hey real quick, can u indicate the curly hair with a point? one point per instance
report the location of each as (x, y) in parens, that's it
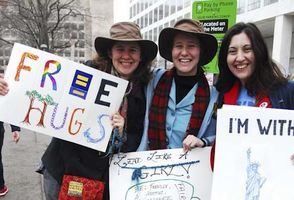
(266, 75)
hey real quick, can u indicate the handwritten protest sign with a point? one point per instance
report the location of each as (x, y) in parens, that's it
(54, 96)
(162, 174)
(253, 149)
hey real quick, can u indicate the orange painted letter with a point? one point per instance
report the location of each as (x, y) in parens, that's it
(22, 66)
(76, 122)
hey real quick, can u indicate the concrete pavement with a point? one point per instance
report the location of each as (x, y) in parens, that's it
(20, 162)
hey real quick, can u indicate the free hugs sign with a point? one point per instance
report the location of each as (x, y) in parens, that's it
(60, 98)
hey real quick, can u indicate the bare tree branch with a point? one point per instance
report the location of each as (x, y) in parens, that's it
(38, 22)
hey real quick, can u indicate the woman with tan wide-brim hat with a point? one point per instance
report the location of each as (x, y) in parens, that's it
(178, 99)
(124, 54)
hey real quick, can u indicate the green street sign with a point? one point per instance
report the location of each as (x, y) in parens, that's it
(217, 16)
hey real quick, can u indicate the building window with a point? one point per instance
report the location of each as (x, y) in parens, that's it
(82, 54)
(150, 18)
(81, 27)
(160, 12)
(180, 5)
(268, 2)
(240, 6)
(6, 34)
(142, 4)
(253, 4)
(67, 53)
(66, 35)
(166, 10)
(60, 53)
(145, 36)
(138, 8)
(155, 15)
(82, 44)
(150, 3)
(74, 26)
(187, 3)
(74, 35)
(187, 15)
(131, 12)
(81, 35)
(160, 28)
(141, 22)
(146, 20)
(172, 22)
(155, 34)
(138, 21)
(134, 9)
(180, 17)
(66, 25)
(173, 6)
(59, 35)
(7, 52)
(150, 35)
(165, 24)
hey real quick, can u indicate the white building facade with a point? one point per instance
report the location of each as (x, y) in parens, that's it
(273, 17)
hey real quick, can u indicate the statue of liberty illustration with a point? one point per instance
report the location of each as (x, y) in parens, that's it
(254, 181)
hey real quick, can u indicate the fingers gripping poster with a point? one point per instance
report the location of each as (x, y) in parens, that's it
(163, 174)
(51, 95)
(253, 151)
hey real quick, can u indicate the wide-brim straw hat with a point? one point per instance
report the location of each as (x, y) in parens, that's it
(208, 43)
(126, 32)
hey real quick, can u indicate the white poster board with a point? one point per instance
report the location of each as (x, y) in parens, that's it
(253, 149)
(54, 96)
(162, 174)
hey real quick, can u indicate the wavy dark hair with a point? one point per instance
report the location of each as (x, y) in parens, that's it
(142, 74)
(266, 75)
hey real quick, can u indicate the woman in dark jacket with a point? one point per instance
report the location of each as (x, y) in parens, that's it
(124, 54)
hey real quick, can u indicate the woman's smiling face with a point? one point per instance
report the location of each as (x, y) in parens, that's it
(126, 57)
(240, 57)
(185, 54)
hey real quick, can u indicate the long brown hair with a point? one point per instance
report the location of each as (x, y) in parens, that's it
(266, 75)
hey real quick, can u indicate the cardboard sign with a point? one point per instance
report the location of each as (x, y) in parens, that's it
(162, 174)
(253, 149)
(54, 96)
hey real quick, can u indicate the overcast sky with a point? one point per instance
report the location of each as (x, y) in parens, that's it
(121, 10)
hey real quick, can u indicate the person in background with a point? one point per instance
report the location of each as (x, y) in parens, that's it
(15, 135)
(126, 55)
(248, 75)
(178, 98)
